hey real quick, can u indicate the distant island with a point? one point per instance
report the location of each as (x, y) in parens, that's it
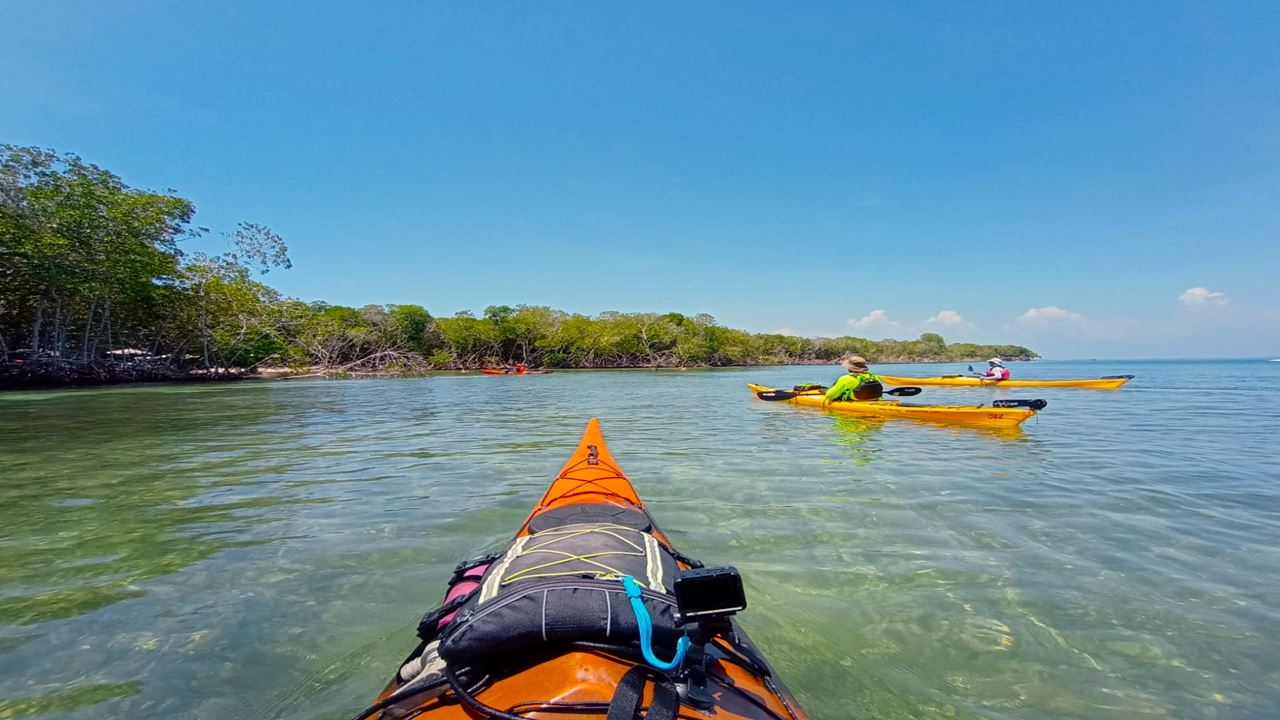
(94, 288)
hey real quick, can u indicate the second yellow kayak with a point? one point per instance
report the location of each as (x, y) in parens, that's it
(977, 415)
(1111, 382)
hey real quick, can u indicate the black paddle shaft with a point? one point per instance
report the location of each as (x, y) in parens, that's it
(1033, 404)
(775, 395)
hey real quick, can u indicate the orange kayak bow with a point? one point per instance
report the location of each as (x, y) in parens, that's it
(723, 678)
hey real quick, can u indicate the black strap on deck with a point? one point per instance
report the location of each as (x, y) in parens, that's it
(626, 698)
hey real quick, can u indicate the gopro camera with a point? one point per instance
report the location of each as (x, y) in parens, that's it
(705, 593)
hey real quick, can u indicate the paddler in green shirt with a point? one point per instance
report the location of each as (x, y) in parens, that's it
(859, 384)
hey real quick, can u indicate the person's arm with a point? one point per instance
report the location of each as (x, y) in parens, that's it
(838, 387)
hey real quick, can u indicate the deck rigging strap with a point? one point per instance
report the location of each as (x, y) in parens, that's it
(625, 704)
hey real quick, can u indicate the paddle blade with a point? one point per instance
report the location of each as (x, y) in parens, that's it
(970, 368)
(775, 395)
(903, 391)
(1033, 404)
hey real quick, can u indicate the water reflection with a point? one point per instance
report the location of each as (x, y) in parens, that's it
(97, 503)
(78, 558)
(93, 505)
(854, 436)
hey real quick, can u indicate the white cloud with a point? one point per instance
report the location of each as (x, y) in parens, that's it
(950, 323)
(946, 318)
(1051, 315)
(1199, 298)
(874, 321)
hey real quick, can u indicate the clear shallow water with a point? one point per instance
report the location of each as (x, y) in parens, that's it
(265, 549)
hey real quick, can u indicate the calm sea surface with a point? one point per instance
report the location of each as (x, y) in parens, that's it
(265, 549)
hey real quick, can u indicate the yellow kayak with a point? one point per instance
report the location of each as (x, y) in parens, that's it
(976, 415)
(1111, 382)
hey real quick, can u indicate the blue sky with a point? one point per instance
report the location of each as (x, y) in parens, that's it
(1059, 175)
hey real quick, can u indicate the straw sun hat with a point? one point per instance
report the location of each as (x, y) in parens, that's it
(856, 363)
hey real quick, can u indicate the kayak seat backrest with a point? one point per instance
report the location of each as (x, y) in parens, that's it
(590, 513)
(562, 585)
(869, 391)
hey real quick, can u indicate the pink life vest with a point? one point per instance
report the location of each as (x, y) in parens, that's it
(998, 373)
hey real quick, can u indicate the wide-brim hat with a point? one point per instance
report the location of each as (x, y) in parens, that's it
(855, 362)
(996, 361)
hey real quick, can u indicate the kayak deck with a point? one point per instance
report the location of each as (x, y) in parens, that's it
(1103, 383)
(591, 475)
(580, 683)
(973, 415)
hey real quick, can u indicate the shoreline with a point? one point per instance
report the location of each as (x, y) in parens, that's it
(21, 377)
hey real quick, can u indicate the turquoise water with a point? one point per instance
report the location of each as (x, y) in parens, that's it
(265, 549)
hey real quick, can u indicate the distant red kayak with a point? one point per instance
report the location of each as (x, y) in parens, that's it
(492, 371)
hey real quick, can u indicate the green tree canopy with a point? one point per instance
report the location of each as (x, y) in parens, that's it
(92, 273)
